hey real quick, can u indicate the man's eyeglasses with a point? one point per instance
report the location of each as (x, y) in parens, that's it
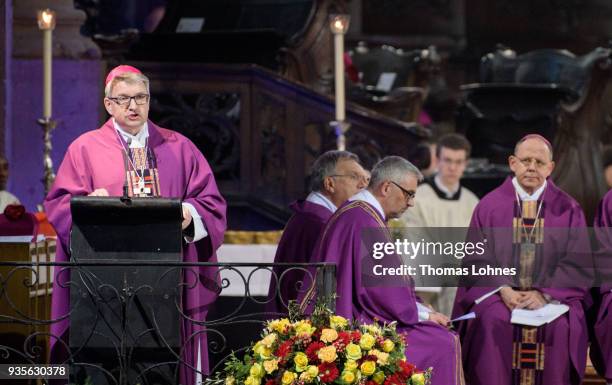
(125, 101)
(355, 177)
(408, 195)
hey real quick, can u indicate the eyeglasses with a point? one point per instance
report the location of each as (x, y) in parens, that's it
(408, 195)
(125, 101)
(355, 177)
(528, 161)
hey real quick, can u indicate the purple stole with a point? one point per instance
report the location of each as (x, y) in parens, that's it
(528, 341)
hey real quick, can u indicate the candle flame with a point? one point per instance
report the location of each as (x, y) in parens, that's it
(46, 19)
(339, 23)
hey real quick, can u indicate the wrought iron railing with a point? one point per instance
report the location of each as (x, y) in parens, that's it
(138, 322)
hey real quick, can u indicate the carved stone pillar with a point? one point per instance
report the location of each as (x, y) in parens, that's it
(67, 39)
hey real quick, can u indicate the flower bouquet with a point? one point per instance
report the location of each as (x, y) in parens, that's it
(324, 349)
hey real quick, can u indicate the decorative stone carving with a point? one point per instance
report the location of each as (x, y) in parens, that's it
(67, 39)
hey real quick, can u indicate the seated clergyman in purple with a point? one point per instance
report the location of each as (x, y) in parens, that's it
(539, 224)
(364, 297)
(601, 345)
(335, 177)
(129, 151)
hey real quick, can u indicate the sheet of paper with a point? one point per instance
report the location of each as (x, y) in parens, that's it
(190, 25)
(543, 315)
(385, 81)
(470, 315)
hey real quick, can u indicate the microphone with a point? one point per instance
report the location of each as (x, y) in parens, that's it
(126, 198)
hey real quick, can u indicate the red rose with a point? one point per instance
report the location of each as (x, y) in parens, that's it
(284, 349)
(270, 382)
(356, 336)
(370, 382)
(328, 373)
(14, 212)
(406, 369)
(393, 380)
(312, 350)
(344, 339)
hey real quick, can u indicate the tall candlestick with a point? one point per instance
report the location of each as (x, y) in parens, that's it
(339, 25)
(339, 76)
(46, 22)
(47, 52)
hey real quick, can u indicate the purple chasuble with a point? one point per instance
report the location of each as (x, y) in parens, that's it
(601, 346)
(341, 243)
(489, 355)
(96, 160)
(299, 238)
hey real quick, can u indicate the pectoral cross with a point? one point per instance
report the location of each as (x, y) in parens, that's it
(141, 189)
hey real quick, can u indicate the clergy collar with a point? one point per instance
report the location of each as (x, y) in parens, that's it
(524, 195)
(321, 200)
(366, 196)
(443, 192)
(134, 141)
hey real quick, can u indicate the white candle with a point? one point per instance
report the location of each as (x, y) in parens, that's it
(47, 52)
(339, 76)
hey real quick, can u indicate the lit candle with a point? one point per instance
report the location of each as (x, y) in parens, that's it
(339, 26)
(46, 22)
(339, 76)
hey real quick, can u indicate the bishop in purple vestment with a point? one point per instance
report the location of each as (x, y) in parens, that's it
(335, 177)
(366, 298)
(542, 230)
(131, 152)
(601, 345)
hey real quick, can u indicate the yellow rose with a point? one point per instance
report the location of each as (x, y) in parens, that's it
(313, 371)
(382, 357)
(263, 351)
(388, 346)
(269, 340)
(304, 377)
(353, 352)
(279, 325)
(338, 322)
(250, 380)
(418, 379)
(270, 366)
(367, 341)
(373, 329)
(348, 377)
(304, 327)
(327, 354)
(378, 377)
(288, 377)
(229, 380)
(367, 368)
(256, 370)
(301, 362)
(329, 335)
(350, 365)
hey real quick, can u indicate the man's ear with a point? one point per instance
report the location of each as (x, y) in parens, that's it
(328, 184)
(552, 167)
(512, 162)
(107, 106)
(384, 188)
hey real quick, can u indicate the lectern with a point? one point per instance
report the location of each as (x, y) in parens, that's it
(127, 315)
